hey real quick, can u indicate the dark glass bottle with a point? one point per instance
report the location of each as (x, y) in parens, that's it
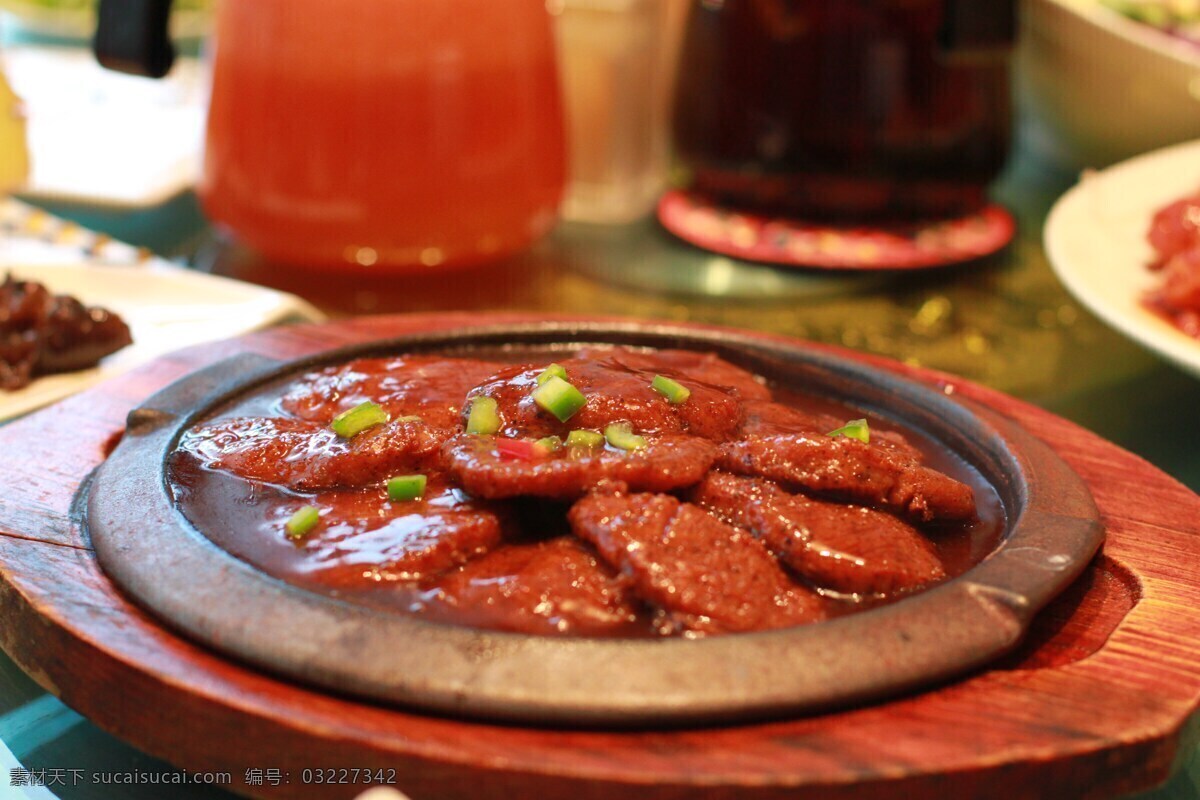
(845, 110)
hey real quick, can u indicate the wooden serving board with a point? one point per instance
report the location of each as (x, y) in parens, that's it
(1100, 701)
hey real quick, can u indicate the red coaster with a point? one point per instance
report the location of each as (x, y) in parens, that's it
(798, 244)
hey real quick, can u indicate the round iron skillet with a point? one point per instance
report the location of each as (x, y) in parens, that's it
(149, 549)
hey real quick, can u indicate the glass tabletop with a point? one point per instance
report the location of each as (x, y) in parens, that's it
(1005, 322)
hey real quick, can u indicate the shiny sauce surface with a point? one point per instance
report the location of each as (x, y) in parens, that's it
(512, 563)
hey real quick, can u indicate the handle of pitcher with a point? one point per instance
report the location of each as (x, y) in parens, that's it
(132, 36)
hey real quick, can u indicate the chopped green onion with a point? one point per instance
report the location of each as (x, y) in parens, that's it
(409, 418)
(855, 429)
(550, 444)
(484, 416)
(552, 371)
(358, 419)
(621, 436)
(582, 438)
(559, 398)
(406, 487)
(302, 521)
(674, 391)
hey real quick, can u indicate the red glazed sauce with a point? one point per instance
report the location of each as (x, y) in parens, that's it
(735, 511)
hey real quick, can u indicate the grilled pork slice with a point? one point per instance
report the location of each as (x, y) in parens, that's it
(849, 469)
(365, 539)
(842, 547)
(557, 586)
(685, 365)
(612, 392)
(486, 469)
(702, 575)
(768, 418)
(429, 387)
(308, 456)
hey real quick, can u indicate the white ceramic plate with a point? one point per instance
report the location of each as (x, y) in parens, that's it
(166, 308)
(102, 138)
(1095, 239)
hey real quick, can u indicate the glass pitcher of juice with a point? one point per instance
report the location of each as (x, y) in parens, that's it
(845, 110)
(382, 134)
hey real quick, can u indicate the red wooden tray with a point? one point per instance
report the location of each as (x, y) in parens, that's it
(1098, 702)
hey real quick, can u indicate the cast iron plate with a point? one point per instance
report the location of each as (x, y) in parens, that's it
(150, 550)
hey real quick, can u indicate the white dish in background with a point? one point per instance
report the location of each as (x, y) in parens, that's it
(166, 308)
(102, 138)
(1095, 238)
(1095, 88)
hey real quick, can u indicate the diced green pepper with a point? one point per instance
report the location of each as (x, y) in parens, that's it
(552, 371)
(582, 438)
(550, 444)
(854, 429)
(302, 521)
(674, 391)
(559, 398)
(364, 415)
(406, 487)
(621, 436)
(484, 417)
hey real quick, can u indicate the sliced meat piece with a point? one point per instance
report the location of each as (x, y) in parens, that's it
(76, 336)
(1175, 229)
(18, 356)
(687, 365)
(615, 393)
(42, 333)
(363, 538)
(666, 463)
(768, 418)
(552, 587)
(1180, 289)
(431, 387)
(309, 456)
(704, 576)
(842, 547)
(849, 469)
(773, 419)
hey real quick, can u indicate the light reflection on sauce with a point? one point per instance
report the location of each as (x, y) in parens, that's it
(382, 554)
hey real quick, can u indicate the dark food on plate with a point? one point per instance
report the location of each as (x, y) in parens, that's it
(1175, 236)
(613, 493)
(43, 333)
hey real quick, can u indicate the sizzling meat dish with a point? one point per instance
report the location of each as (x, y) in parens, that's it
(612, 493)
(42, 333)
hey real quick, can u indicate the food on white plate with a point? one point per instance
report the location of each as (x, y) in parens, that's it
(1175, 236)
(43, 333)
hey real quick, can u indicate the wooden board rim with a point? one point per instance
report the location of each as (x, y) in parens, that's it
(1142, 686)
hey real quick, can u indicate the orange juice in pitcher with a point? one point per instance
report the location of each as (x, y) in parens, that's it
(383, 134)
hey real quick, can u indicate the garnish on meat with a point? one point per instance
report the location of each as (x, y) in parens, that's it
(309, 456)
(615, 493)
